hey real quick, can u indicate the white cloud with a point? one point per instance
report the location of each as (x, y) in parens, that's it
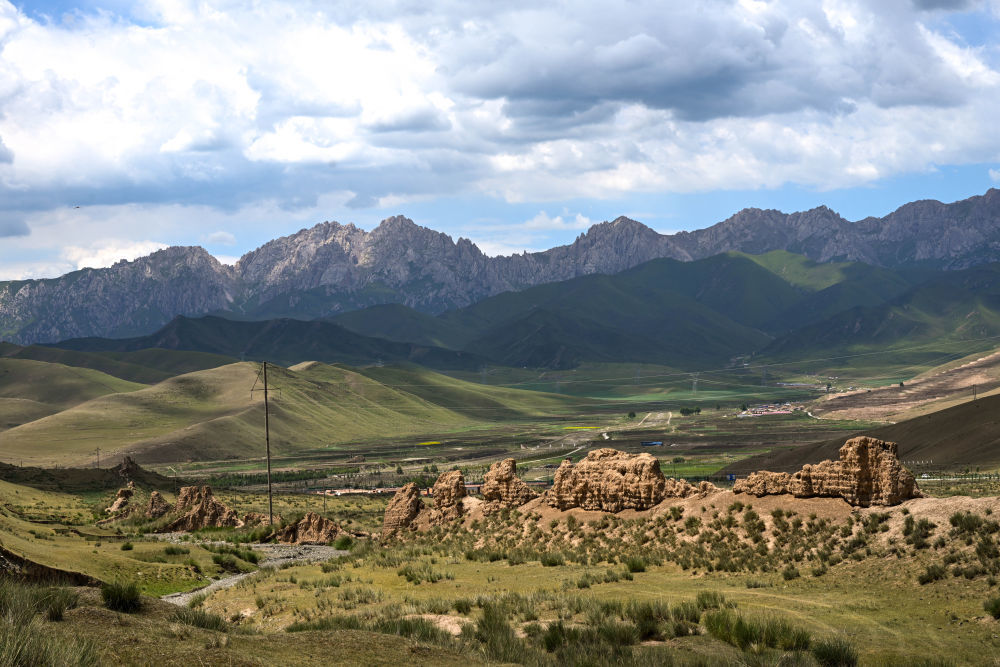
(212, 107)
(228, 260)
(221, 238)
(106, 253)
(543, 221)
(995, 175)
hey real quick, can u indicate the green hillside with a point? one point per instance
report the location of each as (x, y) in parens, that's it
(144, 366)
(280, 341)
(30, 390)
(396, 322)
(212, 415)
(944, 314)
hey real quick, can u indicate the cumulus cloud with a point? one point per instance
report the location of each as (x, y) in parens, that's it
(211, 104)
(105, 253)
(995, 175)
(221, 238)
(12, 224)
(544, 221)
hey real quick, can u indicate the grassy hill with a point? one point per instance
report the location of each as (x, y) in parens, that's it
(212, 414)
(143, 366)
(31, 390)
(282, 341)
(684, 314)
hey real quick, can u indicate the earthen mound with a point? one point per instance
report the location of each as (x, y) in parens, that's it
(310, 529)
(199, 509)
(120, 505)
(448, 491)
(158, 506)
(502, 488)
(611, 481)
(259, 519)
(868, 473)
(402, 510)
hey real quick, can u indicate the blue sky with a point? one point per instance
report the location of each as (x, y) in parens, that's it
(129, 126)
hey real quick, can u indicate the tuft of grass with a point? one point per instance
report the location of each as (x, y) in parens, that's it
(992, 607)
(122, 596)
(743, 632)
(635, 564)
(57, 601)
(200, 619)
(552, 559)
(836, 652)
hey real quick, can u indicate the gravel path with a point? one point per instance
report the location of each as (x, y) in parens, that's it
(272, 555)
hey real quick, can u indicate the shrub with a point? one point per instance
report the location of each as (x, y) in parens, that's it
(992, 607)
(127, 546)
(710, 600)
(635, 564)
(499, 641)
(552, 559)
(197, 600)
(790, 572)
(741, 632)
(200, 619)
(57, 601)
(835, 652)
(463, 606)
(344, 542)
(932, 573)
(122, 596)
(174, 550)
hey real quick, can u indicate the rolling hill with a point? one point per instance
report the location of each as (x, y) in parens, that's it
(212, 414)
(31, 390)
(282, 341)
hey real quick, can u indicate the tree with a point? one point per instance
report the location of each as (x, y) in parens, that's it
(399, 469)
(631, 415)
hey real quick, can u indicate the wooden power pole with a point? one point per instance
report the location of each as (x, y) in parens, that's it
(267, 443)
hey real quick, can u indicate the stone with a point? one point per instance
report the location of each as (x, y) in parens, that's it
(609, 481)
(402, 510)
(448, 491)
(120, 504)
(158, 506)
(199, 509)
(502, 488)
(310, 529)
(868, 473)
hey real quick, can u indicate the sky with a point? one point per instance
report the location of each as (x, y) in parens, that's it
(128, 126)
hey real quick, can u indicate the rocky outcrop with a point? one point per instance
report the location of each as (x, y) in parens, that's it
(336, 265)
(608, 480)
(448, 491)
(120, 505)
(402, 510)
(260, 519)
(310, 529)
(158, 506)
(868, 473)
(198, 509)
(502, 487)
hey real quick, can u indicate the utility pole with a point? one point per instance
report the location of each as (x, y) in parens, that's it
(973, 392)
(98, 458)
(267, 443)
(694, 383)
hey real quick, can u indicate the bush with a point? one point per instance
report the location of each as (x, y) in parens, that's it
(499, 641)
(127, 546)
(344, 542)
(463, 606)
(174, 550)
(835, 652)
(122, 596)
(635, 564)
(932, 573)
(992, 607)
(743, 633)
(57, 601)
(552, 559)
(200, 619)
(790, 572)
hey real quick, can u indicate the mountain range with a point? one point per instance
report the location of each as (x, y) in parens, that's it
(333, 268)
